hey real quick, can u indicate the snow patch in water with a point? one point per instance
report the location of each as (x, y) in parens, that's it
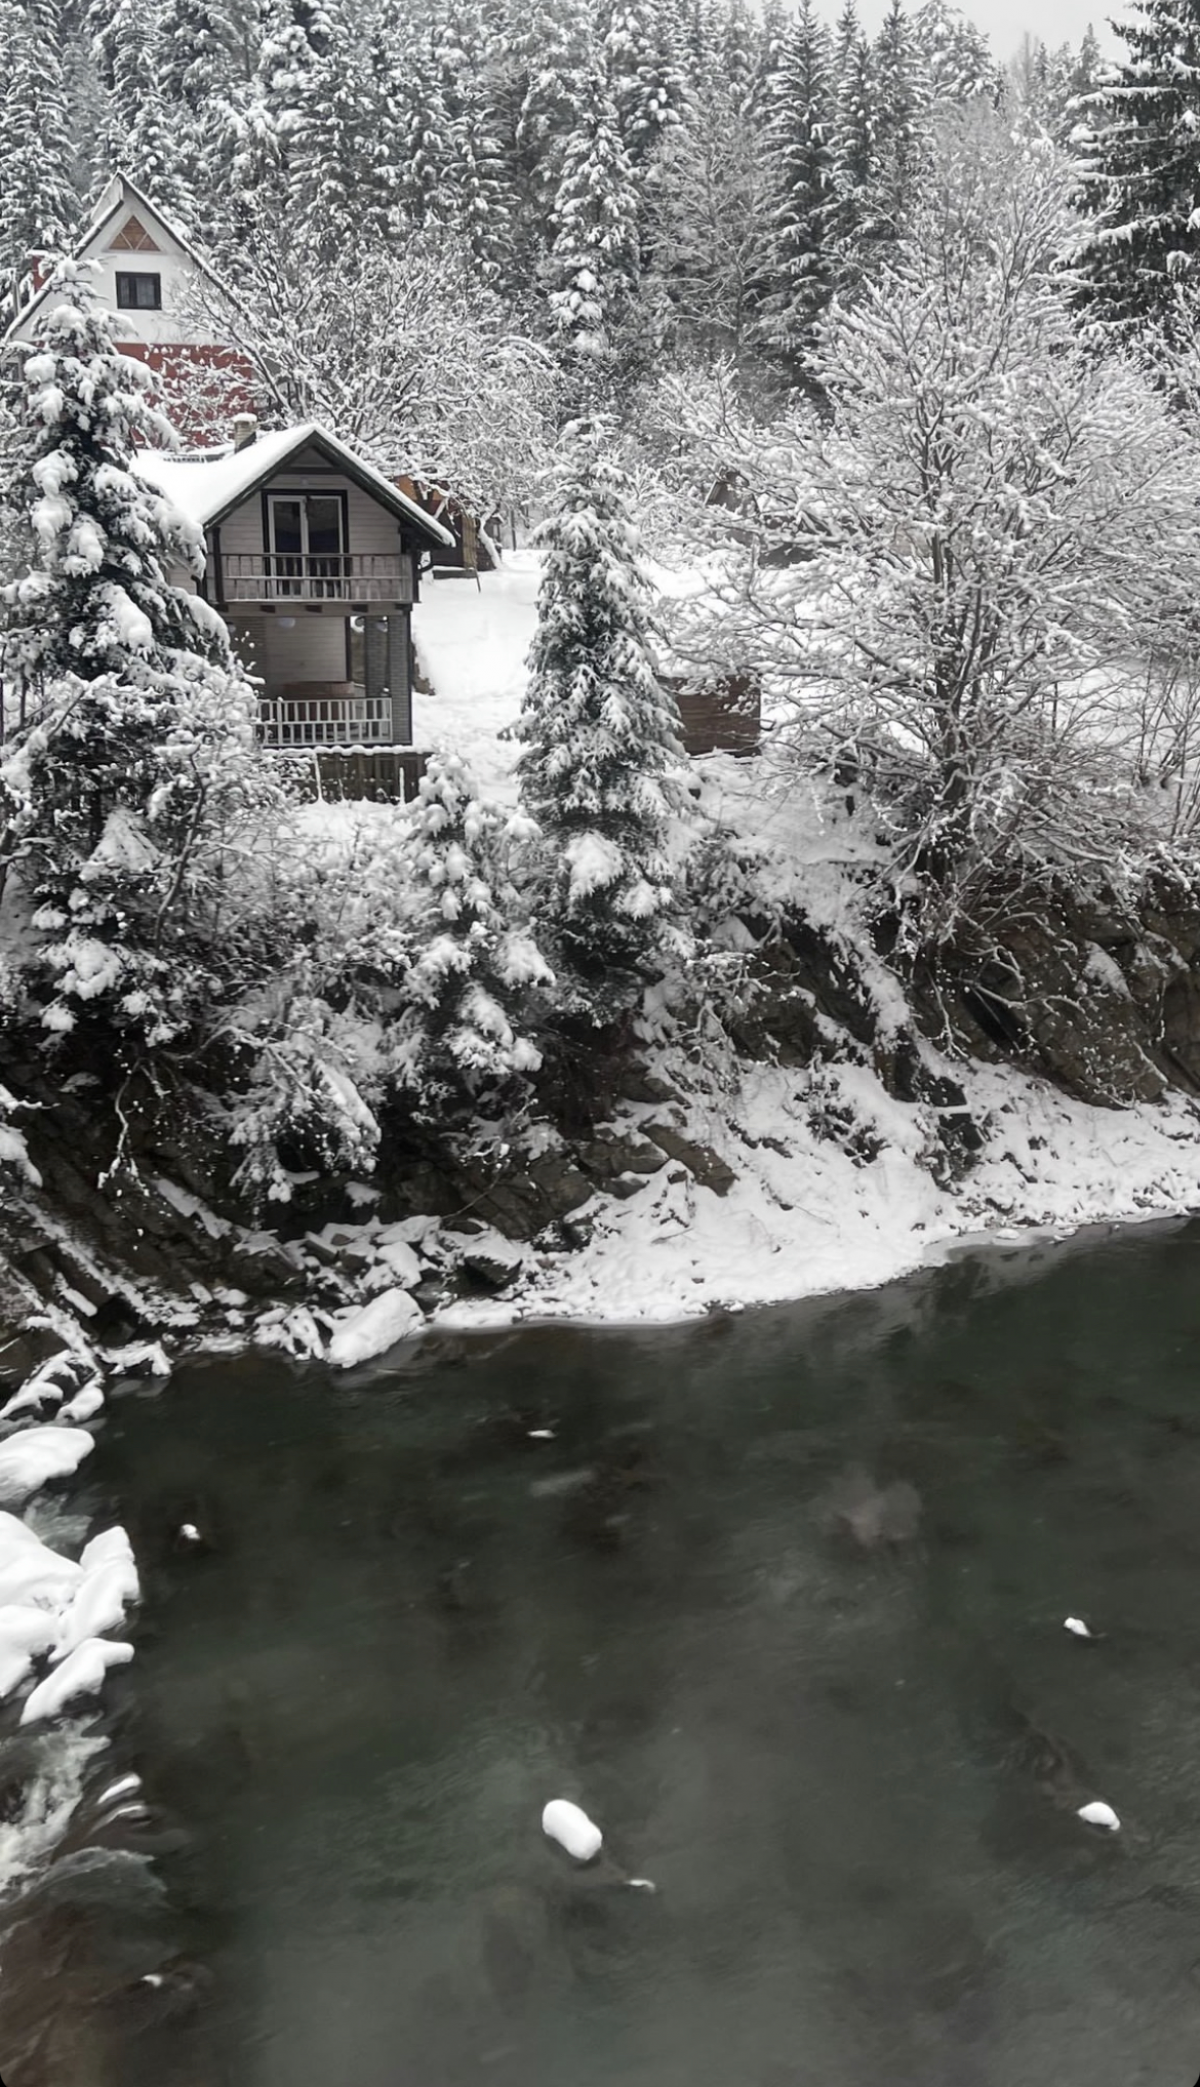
(370, 1330)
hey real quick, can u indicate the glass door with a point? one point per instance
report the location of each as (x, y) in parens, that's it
(285, 564)
(307, 547)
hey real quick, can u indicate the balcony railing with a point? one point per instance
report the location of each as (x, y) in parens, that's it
(325, 714)
(348, 576)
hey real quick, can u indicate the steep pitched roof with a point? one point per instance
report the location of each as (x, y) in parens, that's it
(121, 194)
(206, 489)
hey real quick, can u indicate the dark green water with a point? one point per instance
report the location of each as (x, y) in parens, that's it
(852, 1771)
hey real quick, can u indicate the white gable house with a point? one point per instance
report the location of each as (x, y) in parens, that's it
(167, 301)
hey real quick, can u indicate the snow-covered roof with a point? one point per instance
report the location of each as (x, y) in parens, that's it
(120, 194)
(207, 488)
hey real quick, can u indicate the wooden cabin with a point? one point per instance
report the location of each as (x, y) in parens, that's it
(314, 562)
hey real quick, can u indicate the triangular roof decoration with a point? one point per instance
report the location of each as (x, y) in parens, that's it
(133, 238)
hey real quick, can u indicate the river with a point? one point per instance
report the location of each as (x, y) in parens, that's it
(780, 1600)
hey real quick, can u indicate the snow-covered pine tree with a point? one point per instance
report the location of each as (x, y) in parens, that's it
(601, 736)
(550, 49)
(644, 79)
(141, 138)
(38, 197)
(738, 54)
(900, 107)
(328, 182)
(203, 60)
(469, 998)
(594, 261)
(958, 65)
(425, 131)
(139, 730)
(710, 211)
(772, 37)
(1140, 168)
(852, 146)
(202, 55)
(295, 36)
(1087, 68)
(803, 172)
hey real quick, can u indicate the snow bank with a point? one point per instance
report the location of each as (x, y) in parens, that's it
(29, 1460)
(81, 1674)
(54, 1605)
(108, 1586)
(55, 1610)
(370, 1330)
(806, 1216)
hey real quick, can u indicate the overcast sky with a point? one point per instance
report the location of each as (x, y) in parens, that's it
(1005, 22)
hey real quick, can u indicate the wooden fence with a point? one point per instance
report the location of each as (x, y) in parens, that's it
(723, 717)
(356, 774)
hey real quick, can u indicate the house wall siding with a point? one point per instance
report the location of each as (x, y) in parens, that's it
(180, 318)
(370, 529)
(313, 650)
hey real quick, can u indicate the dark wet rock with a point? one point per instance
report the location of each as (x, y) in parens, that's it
(624, 1186)
(636, 1084)
(704, 1165)
(609, 1155)
(494, 1266)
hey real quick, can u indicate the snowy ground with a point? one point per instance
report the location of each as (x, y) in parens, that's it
(472, 644)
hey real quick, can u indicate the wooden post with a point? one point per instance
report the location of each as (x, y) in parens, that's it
(374, 656)
(399, 685)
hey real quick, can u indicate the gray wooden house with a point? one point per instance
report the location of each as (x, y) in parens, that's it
(314, 562)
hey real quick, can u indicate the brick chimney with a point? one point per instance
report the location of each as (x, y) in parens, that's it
(245, 428)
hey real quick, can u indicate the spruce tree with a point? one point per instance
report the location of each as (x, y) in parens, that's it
(139, 724)
(1140, 168)
(957, 62)
(601, 736)
(468, 996)
(803, 269)
(853, 149)
(38, 198)
(900, 103)
(280, 101)
(737, 54)
(594, 261)
(141, 136)
(644, 80)
(554, 72)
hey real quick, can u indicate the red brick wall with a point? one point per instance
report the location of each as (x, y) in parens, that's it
(200, 389)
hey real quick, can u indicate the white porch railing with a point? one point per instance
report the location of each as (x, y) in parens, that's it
(349, 576)
(325, 715)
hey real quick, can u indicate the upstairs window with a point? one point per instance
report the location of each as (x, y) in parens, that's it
(138, 293)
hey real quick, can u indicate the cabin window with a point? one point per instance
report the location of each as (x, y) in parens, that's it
(137, 292)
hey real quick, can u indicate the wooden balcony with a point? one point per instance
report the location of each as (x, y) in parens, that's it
(353, 578)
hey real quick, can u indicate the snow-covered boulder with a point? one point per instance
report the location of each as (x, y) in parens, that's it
(373, 1328)
(109, 1583)
(36, 1455)
(80, 1674)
